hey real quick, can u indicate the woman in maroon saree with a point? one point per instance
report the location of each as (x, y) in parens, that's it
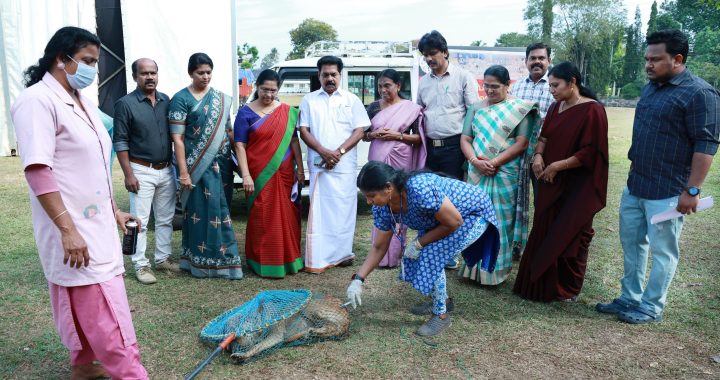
(270, 162)
(396, 138)
(571, 163)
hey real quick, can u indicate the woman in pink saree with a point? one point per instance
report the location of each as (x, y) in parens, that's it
(397, 138)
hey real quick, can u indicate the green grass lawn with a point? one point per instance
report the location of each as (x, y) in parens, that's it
(494, 333)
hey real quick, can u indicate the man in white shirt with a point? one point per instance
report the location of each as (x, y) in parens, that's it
(332, 121)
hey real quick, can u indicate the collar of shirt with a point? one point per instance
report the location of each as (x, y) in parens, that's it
(676, 80)
(57, 88)
(544, 78)
(337, 92)
(141, 96)
(449, 70)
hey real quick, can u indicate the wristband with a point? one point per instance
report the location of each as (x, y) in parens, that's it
(358, 277)
(536, 153)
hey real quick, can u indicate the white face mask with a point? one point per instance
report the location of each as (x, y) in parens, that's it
(83, 77)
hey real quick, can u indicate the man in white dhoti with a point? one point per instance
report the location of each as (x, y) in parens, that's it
(332, 121)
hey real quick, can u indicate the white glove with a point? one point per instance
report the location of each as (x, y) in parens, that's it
(354, 291)
(412, 251)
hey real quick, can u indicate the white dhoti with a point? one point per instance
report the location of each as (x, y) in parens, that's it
(331, 220)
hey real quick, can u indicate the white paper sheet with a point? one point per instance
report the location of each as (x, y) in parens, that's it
(703, 204)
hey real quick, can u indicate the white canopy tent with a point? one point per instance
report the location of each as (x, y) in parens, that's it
(166, 31)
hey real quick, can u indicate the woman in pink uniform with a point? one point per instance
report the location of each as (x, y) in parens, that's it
(66, 156)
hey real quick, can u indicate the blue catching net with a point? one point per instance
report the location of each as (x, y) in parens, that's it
(278, 318)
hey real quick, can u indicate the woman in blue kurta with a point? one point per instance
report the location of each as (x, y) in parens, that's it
(450, 217)
(199, 118)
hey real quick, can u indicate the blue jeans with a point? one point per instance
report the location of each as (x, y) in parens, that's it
(637, 234)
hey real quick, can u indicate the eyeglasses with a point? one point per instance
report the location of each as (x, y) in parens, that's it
(267, 91)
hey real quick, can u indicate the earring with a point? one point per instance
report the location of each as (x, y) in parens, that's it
(61, 66)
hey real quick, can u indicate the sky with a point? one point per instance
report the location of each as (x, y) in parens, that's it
(265, 24)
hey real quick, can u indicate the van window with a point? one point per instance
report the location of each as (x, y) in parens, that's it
(363, 85)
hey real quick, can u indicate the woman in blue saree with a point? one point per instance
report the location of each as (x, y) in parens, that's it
(199, 118)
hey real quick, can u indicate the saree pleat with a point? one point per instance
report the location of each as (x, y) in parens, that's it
(272, 240)
(494, 130)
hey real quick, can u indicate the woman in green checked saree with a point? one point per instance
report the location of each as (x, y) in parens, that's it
(268, 152)
(199, 118)
(496, 136)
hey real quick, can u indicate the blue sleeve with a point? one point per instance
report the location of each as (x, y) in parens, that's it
(426, 193)
(703, 121)
(241, 127)
(381, 219)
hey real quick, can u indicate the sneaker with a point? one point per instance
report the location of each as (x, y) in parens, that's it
(169, 266)
(615, 307)
(453, 264)
(426, 308)
(434, 326)
(637, 316)
(145, 276)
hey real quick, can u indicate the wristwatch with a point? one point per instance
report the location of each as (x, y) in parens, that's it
(342, 151)
(358, 277)
(693, 191)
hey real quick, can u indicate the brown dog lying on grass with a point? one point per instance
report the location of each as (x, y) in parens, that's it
(322, 318)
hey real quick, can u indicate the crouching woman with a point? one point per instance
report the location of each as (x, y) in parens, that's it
(450, 216)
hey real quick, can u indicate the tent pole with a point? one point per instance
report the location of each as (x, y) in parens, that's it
(233, 30)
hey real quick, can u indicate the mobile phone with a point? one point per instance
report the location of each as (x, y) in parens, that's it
(318, 162)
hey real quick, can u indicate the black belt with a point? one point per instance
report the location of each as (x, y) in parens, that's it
(156, 166)
(449, 141)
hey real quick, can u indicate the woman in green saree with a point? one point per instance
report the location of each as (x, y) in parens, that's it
(200, 125)
(495, 140)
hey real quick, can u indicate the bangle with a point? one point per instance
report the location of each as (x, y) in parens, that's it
(358, 277)
(567, 166)
(536, 153)
(59, 215)
(401, 137)
(184, 178)
(247, 175)
(417, 244)
(367, 135)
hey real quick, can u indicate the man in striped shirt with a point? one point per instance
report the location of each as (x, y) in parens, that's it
(675, 136)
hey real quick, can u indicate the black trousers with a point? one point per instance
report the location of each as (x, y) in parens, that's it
(448, 160)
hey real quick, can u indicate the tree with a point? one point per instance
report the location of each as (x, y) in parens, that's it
(705, 59)
(513, 40)
(652, 21)
(308, 32)
(585, 32)
(694, 15)
(478, 43)
(270, 59)
(247, 55)
(540, 19)
(634, 50)
(547, 21)
(666, 21)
